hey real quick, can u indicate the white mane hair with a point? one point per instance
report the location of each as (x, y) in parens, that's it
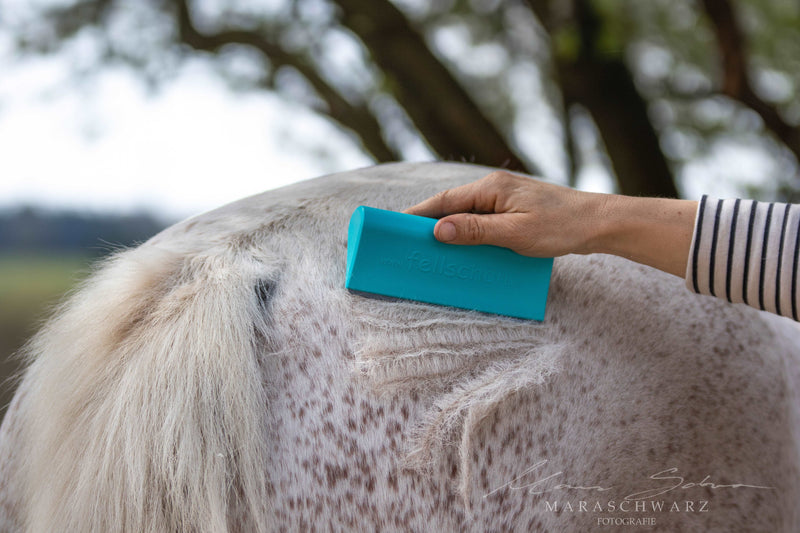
(220, 378)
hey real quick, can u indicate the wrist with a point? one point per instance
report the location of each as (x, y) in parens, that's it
(652, 231)
(603, 223)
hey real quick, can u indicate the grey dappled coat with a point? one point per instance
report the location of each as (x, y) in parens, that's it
(219, 377)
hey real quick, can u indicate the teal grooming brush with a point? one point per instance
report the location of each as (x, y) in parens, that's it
(395, 254)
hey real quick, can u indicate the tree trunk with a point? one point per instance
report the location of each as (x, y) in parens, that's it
(605, 87)
(440, 108)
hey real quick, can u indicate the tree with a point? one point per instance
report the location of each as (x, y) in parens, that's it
(663, 81)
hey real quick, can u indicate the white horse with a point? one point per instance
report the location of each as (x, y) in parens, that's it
(220, 378)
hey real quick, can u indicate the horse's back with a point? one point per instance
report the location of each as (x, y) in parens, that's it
(220, 376)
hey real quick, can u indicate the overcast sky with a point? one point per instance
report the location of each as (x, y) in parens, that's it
(106, 144)
(196, 144)
(192, 146)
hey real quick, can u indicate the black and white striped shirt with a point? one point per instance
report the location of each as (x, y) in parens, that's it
(747, 252)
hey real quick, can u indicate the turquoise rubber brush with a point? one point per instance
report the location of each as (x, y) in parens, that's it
(396, 254)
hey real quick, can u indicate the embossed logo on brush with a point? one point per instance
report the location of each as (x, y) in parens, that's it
(440, 265)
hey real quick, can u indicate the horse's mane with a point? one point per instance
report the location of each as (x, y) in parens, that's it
(145, 386)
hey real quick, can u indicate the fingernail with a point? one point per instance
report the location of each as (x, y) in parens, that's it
(447, 232)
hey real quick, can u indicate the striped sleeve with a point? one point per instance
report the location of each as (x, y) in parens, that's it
(747, 252)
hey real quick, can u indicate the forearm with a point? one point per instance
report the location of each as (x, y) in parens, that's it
(742, 250)
(651, 231)
(747, 252)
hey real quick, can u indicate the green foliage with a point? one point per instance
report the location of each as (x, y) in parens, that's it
(488, 46)
(567, 43)
(30, 286)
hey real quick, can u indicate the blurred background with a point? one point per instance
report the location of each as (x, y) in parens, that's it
(119, 117)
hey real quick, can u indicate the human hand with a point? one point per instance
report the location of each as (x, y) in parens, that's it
(540, 219)
(531, 217)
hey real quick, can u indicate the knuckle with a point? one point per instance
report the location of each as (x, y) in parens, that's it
(442, 197)
(494, 177)
(499, 177)
(475, 230)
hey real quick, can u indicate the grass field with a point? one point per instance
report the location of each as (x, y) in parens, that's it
(30, 285)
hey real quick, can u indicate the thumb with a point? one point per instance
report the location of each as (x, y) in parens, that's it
(467, 228)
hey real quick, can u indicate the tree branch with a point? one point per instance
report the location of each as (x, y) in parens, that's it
(736, 80)
(357, 118)
(605, 87)
(440, 108)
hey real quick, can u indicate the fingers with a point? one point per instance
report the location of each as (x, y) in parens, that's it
(478, 197)
(460, 199)
(467, 228)
(486, 211)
